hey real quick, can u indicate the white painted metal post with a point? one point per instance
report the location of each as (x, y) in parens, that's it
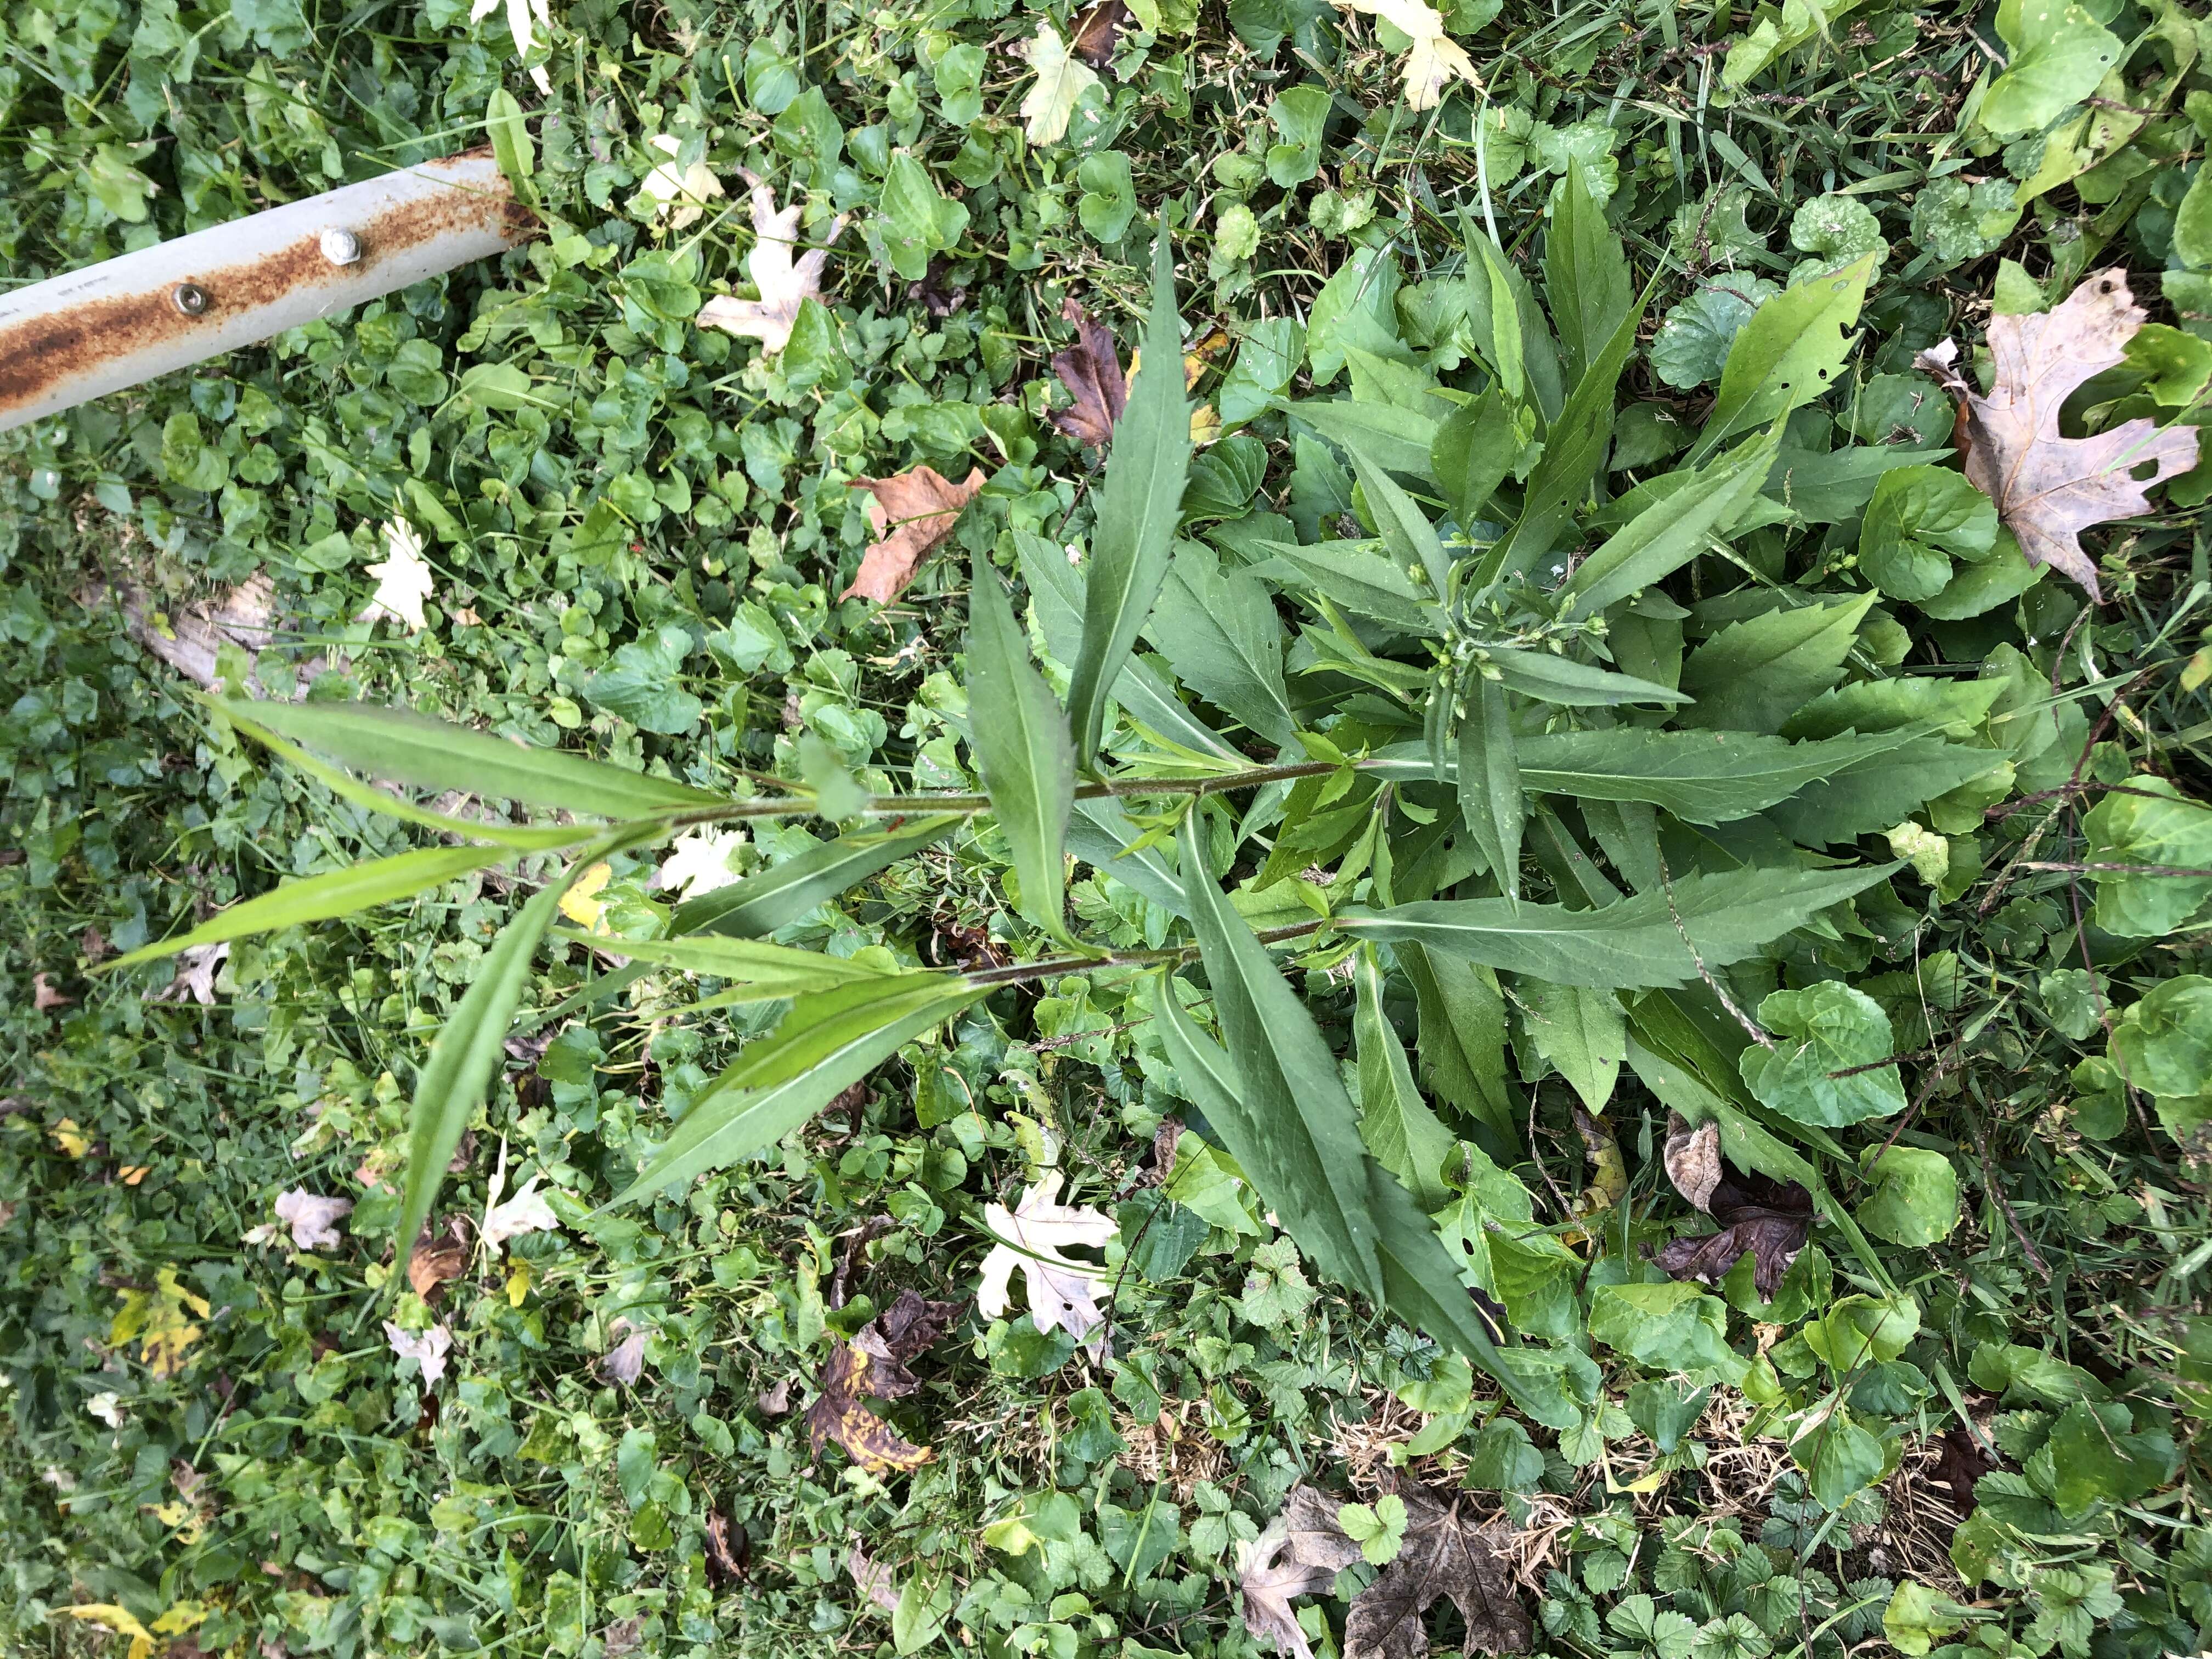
(79, 336)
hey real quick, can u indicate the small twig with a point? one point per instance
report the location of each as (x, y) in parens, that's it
(1990, 1181)
(2066, 868)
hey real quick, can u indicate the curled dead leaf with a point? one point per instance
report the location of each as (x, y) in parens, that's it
(1098, 32)
(438, 1257)
(1693, 1158)
(729, 1550)
(44, 996)
(2048, 488)
(1767, 1218)
(910, 512)
(1268, 1574)
(872, 1579)
(624, 1362)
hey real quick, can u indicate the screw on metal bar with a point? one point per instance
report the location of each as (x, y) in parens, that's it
(340, 247)
(190, 297)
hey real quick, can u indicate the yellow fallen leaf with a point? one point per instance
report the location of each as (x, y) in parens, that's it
(517, 1284)
(183, 1616)
(71, 1140)
(1434, 58)
(132, 1174)
(1205, 424)
(579, 904)
(157, 1321)
(119, 1620)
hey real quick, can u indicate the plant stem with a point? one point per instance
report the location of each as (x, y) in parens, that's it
(915, 806)
(1021, 973)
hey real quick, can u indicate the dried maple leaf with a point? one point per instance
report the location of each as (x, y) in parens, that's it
(1099, 32)
(197, 966)
(403, 580)
(1033, 1236)
(784, 283)
(2049, 488)
(1090, 370)
(872, 1365)
(1434, 58)
(1446, 1552)
(1767, 1218)
(910, 514)
(1268, 1574)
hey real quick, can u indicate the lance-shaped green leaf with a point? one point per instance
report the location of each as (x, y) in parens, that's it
(1218, 628)
(464, 1057)
(767, 973)
(1585, 270)
(1407, 1138)
(1357, 577)
(1634, 943)
(824, 1046)
(1573, 685)
(1402, 439)
(1789, 353)
(1461, 1039)
(1475, 450)
(1405, 529)
(1754, 674)
(1023, 747)
(1701, 777)
(1057, 589)
(346, 787)
(427, 754)
(318, 898)
(771, 898)
(1138, 507)
(1416, 1277)
(1665, 537)
(1310, 1160)
(1582, 1032)
(1102, 834)
(1490, 800)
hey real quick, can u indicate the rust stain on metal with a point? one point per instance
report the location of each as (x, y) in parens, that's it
(46, 352)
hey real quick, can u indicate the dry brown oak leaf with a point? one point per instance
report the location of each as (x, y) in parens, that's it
(783, 282)
(872, 1365)
(1090, 370)
(2049, 488)
(910, 512)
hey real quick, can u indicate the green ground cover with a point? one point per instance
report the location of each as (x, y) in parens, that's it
(1716, 1165)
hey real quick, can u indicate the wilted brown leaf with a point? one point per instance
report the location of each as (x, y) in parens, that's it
(624, 1362)
(1269, 1574)
(438, 1256)
(775, 1399)
(1768, 1218)
(784, 283)
(1090, 370)
(872, 1365)
(1446, 1552)
(727, 1558)
(910, 514)
(872, 1579)
(1960, 1461)
(1097, 33)
(1693, 1158)
(44, 996)
(2049, 488)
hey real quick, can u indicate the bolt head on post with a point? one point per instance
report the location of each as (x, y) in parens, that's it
(190, 297)
(340, 247)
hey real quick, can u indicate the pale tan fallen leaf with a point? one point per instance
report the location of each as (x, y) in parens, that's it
(527, 1212)
(872, 1579)
(312, 1218)
(2048, 489)
(1693, 1158)
(1268, 1574)
(429, 1350)
(44, 996)
(1434, 58)
(624, 1362)
(521, 15)
(403, 579)
(1062, 78)
(677, 195)
(1033, 1238)
(783, 282)
(196, 967)
(911, 513)
(438, 1257)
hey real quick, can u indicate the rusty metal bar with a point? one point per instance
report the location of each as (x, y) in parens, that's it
(73, 338)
